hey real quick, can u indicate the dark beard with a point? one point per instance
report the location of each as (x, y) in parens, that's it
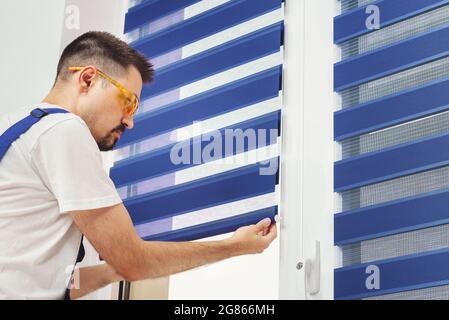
(105, 144)
(108, 142)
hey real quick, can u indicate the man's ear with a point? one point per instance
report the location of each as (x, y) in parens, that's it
(86, 77)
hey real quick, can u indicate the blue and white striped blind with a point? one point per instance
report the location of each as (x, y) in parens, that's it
(392, 178)
(218, 71)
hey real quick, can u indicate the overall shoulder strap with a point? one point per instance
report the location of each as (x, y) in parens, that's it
(14, 132)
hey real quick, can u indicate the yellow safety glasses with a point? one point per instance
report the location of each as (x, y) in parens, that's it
(129, 100)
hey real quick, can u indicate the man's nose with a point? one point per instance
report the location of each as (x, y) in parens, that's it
(128, 122)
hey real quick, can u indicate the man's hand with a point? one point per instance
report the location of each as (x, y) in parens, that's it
(111, 232)
(255, 238)
(246, 240)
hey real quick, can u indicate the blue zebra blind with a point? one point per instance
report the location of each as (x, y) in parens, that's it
(203, 156)
(392, 177)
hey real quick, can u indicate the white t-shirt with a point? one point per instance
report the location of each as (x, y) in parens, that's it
(54, 168)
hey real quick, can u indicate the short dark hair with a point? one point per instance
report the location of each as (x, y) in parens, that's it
(104, 51)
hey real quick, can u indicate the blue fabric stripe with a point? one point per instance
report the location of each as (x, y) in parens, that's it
(394, 217)
(210, 229)
(236, 95)
(405, 159)
(392, 110)
(227, 187)
(208, 23)
(392, 59)
(396, 275)
(227, 56)
(158, 162)
(152, 10)
(353, 24)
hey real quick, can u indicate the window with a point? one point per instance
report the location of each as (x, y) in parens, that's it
(202, 159)
(392, 126)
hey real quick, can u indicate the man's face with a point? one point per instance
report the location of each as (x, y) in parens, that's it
(101, 107)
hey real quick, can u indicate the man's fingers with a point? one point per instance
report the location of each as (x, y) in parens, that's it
(263, 224)
(272, 233)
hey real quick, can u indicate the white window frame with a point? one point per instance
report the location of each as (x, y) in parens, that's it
(307, 197)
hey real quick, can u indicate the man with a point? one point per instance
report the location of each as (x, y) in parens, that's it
(53, 187)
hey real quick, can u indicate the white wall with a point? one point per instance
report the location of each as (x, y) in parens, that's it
(94, 15)
(34, 33)
(31, 35)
